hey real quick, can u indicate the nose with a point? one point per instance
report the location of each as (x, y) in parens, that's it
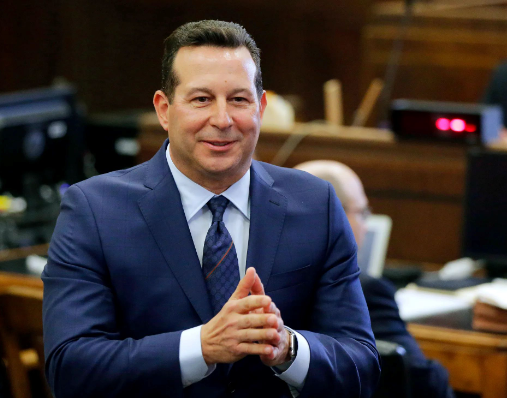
(220, 117)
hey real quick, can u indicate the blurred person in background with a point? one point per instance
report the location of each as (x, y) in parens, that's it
(428, 378)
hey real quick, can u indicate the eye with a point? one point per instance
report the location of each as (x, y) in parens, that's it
(201, 100)
(240, 100)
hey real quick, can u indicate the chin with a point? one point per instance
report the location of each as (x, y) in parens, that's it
(221, 164)
(222, 170)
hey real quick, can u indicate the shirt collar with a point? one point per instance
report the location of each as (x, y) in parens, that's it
(194, 197)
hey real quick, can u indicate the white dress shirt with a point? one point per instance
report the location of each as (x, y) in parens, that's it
(237, 221)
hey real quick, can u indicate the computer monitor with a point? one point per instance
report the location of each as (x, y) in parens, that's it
(40, 140)
(485, 209)
(372, 254)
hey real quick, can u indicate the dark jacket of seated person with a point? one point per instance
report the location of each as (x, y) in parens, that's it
(428, 379)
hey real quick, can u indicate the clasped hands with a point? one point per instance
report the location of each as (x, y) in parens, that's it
(248, 324)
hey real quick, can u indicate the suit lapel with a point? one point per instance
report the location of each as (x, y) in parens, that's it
(163, 212)
(267, 214)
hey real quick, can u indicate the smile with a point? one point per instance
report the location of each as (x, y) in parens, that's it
(219, 145)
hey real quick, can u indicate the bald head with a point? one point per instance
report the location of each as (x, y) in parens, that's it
(348, 188)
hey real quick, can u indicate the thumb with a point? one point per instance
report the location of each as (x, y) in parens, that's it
(245, 284)
(257, 287)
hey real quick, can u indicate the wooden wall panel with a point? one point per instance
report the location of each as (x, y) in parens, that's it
(448, 54)
(30, 40)
(111, 49)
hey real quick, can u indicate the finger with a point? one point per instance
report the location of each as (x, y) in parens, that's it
(268, 357)
(244, 285)
(257, 287)
(267, 336)
(276, 311)
(253, 320)
(272, 309)
(255, 349)
(247, 304)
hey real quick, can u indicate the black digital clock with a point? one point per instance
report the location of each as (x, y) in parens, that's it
(445, 121)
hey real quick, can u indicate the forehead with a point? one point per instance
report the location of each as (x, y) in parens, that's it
(202, 64)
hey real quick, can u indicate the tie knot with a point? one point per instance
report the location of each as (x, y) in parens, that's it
(217, 206)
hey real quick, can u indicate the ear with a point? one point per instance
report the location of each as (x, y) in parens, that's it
(161, 104)
(263, 103)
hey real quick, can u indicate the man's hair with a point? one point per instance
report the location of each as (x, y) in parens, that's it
(206, 33)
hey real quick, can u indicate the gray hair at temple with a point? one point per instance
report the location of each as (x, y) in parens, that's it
(206, 33)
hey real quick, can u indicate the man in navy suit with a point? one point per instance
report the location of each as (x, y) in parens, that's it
(130, 309)
(427, 378)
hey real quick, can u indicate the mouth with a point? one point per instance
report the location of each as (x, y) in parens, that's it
(219, 146)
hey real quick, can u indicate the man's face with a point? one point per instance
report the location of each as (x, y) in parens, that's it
(356, 209)
(214, 119)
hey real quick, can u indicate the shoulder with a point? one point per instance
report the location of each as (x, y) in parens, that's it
(112, 184)
(289, 180)
(304, 193)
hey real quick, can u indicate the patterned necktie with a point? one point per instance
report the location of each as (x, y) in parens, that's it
(219, 260)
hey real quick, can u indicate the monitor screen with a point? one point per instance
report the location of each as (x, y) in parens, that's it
(40, 139)
(485, 210)
(372, 254)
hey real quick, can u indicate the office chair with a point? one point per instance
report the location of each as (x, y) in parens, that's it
(20, 328)
(394, 378)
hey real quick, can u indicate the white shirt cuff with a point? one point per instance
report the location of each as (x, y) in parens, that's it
(192, 365)
(295, 375)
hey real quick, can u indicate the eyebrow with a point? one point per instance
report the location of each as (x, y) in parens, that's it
(200, 89)
(241, 90)
(210, 92)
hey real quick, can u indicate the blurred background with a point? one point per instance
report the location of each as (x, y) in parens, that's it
(77, 80)
(109, 53)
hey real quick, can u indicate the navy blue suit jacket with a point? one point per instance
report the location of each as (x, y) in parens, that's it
(123, 280)
(427, 378)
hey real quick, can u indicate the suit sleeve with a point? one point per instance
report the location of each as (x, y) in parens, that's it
(428, 378)
(343, 359)
(81, 332)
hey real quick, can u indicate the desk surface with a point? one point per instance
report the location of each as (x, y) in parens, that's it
(13, 270)
(476, 361)
(457, 320)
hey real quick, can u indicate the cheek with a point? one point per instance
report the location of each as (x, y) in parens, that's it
(246, 120)
(186, 123)
(361, 232)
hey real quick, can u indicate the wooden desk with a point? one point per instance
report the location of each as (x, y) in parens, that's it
(476, 361)
(12, 269)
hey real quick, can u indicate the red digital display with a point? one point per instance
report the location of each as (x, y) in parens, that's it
(456, 125)
(442, 124)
